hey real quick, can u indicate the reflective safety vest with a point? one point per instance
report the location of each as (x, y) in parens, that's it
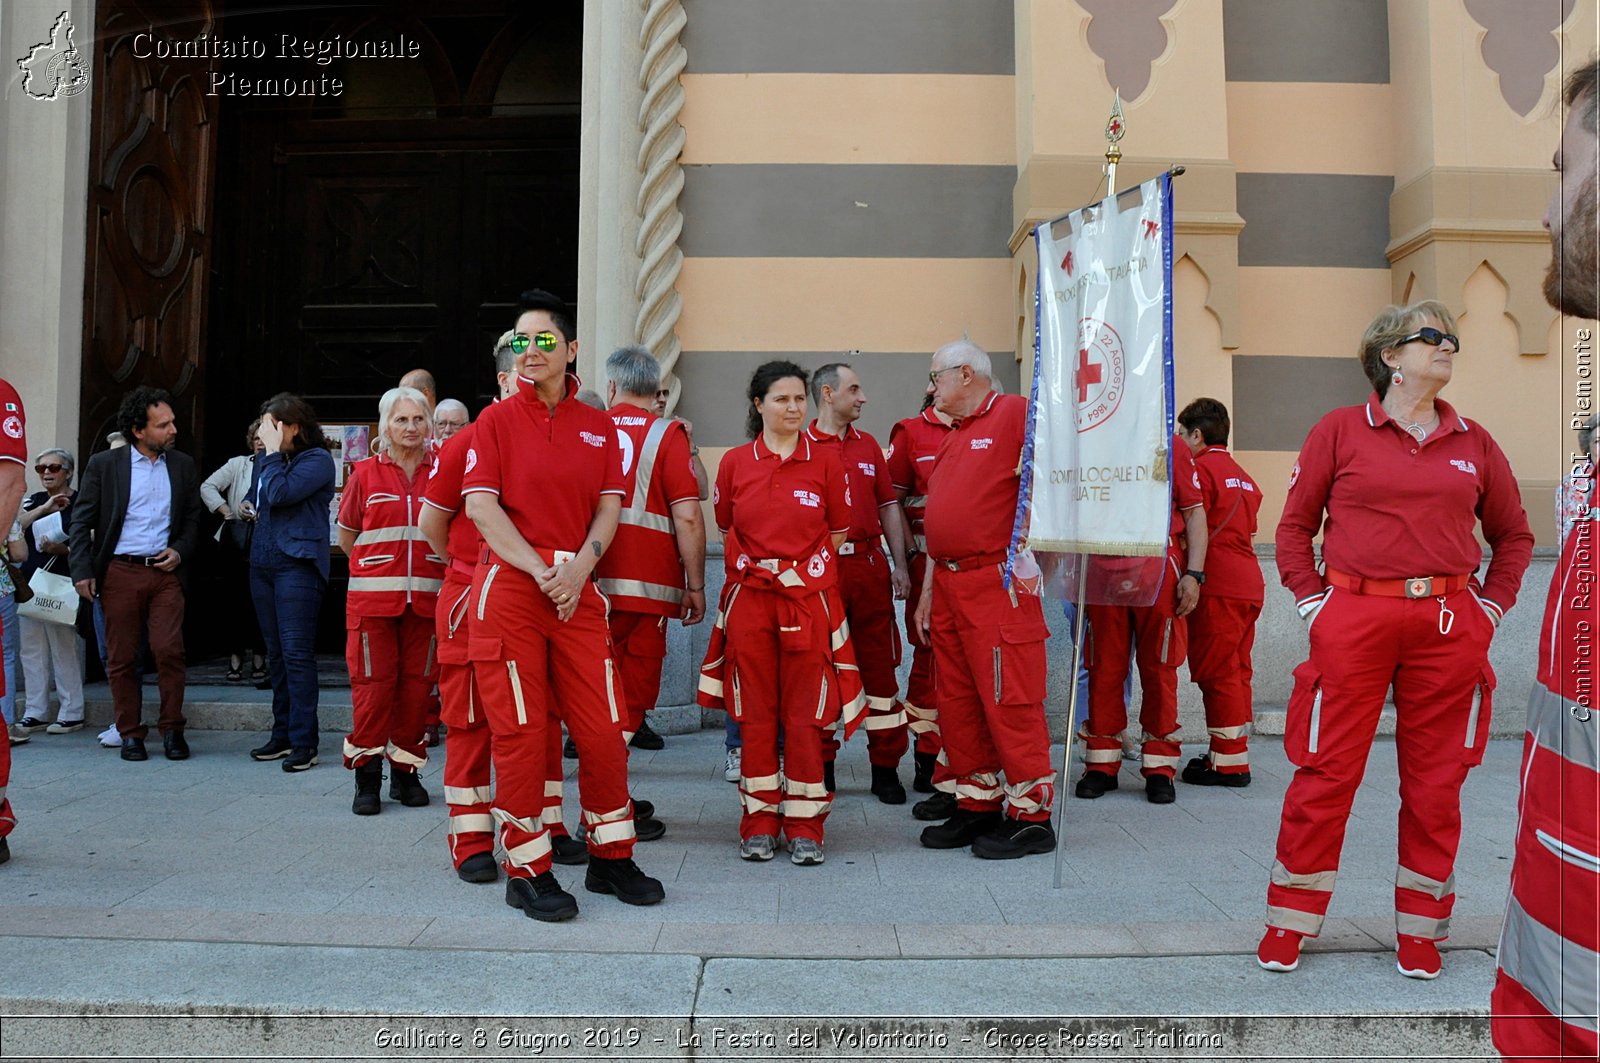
(392, 567)
(1547, 990)
(642, 572)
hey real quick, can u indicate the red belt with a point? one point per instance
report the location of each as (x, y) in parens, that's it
(1410, 587)
(857, 546)
(967, 564)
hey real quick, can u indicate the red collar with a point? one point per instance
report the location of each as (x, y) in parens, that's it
(817, 435)
(528, 390)
(983, 407)
(932, 417)
(802, 450)
(1377, 416)
(1222, 448)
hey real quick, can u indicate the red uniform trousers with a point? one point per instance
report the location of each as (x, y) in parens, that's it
(1222, 632)
(8, 818)
(1158, 639)
(468, 787)
(868, 597)
(392, 669)
(922, 702)
(1361, 645)
(533, 670)
(778, 680)
(989, 660)
(639, 641)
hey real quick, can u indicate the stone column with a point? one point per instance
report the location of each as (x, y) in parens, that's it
(44, 153)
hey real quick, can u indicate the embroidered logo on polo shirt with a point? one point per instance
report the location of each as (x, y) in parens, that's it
(1465, 466)
(982, 444)
(592, 439)
(1294, 477)
(870, 470)
(808, 498)
(472, 459)
(13, 426)
(816, 567)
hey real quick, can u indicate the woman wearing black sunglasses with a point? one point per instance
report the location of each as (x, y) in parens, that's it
(1396, 487)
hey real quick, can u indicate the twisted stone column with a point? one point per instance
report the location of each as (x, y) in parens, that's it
(660, 222)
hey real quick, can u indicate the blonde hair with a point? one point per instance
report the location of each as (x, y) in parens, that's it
(1393, 324)
(392, 398)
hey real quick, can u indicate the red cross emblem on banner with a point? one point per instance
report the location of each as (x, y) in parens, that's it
(1151, 229)
(1066, 263)
(1088, 373)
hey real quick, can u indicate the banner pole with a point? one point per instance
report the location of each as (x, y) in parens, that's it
(1062, 781)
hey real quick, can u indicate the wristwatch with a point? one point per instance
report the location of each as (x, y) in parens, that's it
(1199, 577)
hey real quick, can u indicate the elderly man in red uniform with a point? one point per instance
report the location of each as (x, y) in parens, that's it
(1547, 989)
(988, 632)
(1157, 635)
(866, 581)
(1222, 628)
(13, 482)
(543, 483)
(655, 568)
(913, 444)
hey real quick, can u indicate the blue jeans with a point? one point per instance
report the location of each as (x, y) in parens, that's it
(8, 649)
(731, 736)
(288, 595)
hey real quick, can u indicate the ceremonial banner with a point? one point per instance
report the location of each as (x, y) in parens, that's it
(1097, 458)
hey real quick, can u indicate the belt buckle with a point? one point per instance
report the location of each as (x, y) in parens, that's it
(1419, 587)
(151, 561)
(953, 566)
(768, 563)
(561, 557)
(846, 549)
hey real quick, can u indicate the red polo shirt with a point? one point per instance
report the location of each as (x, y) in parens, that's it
(1397, 508)
(13, 426)
(549, 468)
(972, 496)
(781, 507)
(444, 493)
(866, 475)
(913, 444)
(1186, 491)
(1232, 501)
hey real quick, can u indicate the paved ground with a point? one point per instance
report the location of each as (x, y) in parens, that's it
(223, 885)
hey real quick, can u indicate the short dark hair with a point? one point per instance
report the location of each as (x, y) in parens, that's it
(556, 307)
(292, 409)
(825, 377)
(1584, 86)
(1211, 417)
(761, 381)
(134, 413)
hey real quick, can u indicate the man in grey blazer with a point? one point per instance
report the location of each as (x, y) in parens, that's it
(135, 524)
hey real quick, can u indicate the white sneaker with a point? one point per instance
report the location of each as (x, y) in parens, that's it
(110, 738)
(757, 847)
(19, 734)
(733, 765)
(805, 851)
(64, 727)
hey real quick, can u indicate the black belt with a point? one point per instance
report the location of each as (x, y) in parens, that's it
(131, 559)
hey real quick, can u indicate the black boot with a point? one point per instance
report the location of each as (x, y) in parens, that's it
(646, 738)
(541, 898)
(1158, 790)
(1095, 784)
(940, 806)
(623, 879)
(648, 828)
(922, 776)
(643, 809)
(405, 788)
(479, 867)
(369, 787)
(565, 849)
(827, 776)
(886, 785)
(1014, 838)
(960, 829)
(1199, 772)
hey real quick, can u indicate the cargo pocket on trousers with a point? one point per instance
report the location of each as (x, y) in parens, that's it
(1019, 665)
(484, 648)
(1475, 733)
(1302, 731)
(357, 648)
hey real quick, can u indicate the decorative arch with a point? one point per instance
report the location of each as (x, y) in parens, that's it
(1519, 44)
(1128, 36)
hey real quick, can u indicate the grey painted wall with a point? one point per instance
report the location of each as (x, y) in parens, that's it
(1315, 219)
(1306, 40)
(1276, 399)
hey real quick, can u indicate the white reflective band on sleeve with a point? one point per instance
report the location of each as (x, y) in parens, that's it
(1565, 728)
(1321, 881)
(1307, 923)
(400, 756)
(1230, 760)
(753, 804)
(516, 693)
(1407, 879)
(468, 795)
(1228, 732)
(853, 711)
(533, 849)
(1102, 756)
(795, 788)
(552, 788)
(472, 823)
(841, 634)
(354, 752)
(1421, 926)
(759, 782)
(391, 535)
(1562, 975)
(638, 588)
(396, 583)
(797, 809)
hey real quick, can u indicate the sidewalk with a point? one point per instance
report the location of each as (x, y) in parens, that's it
(222, 884)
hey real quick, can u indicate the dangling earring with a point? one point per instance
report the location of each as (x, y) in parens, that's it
(1397, 378)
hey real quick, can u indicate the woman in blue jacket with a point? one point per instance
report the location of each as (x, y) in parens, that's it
(289, 569)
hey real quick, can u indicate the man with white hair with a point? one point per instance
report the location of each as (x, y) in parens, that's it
(449, 417)
(986, 626)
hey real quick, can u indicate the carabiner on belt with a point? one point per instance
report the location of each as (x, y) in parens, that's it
(1447, 618)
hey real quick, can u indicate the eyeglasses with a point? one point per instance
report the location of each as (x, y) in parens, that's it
(545, 341)
(42, 469)
(1432, 337)
(933, 377)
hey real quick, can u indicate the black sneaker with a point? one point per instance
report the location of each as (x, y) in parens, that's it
(405, 788)
(369, 788)
(272, 749)
(300, 760)
(646, 738)
(569, 749)
(886, 785)
(922, 774)
(643, 809)
(940, 806)
(827, 776)
(648, 828)
(5, 850)
(960, 829)
(567, 850)
(1095, 784)
(1014, 838)
(623, 879)
(1199, 772)
(1158, 790)
(479, 867)
(541, 898)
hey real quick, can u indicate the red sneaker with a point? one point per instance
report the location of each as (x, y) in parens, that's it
(1279, 950)
(1418, 957)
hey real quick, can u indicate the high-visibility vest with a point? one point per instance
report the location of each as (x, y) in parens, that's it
(392, 567)
(1547, 990)
(642, 572)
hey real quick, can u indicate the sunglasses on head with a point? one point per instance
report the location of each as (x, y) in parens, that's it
(42, 469)
(1432, 337)
(545, 341)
